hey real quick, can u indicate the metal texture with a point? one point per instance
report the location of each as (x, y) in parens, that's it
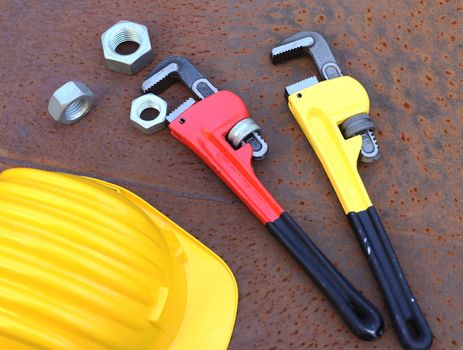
(300, 85)
(407, 54)
(180, 109)
(178, 68)
(308, 43)
(70, 102)
(241, 131)
(247, 131)
(363, 125)
(123, 32)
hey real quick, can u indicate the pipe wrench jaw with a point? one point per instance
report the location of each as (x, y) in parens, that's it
(314, 45)
(177, 68)
(171, 70)
(308, 43)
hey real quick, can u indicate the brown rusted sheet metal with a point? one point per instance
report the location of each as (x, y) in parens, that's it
(407, 54)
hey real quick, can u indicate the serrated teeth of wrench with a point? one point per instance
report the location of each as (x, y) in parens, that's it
(291, 50)
(282, 54)
(301, 85)
(180, 109)
(155, 84)
(369, 152)
(260, 148)
(160, 81)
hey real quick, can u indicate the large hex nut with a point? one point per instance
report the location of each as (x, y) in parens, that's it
(125, 31)
(70, 102)
(143, 103)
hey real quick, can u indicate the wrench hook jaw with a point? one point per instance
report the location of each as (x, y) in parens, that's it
(308, 43)
(178, 68)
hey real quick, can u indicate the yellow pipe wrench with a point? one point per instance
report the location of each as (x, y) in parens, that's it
(333, 115)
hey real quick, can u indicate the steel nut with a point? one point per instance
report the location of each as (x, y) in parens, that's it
(143, 103)
(121, 32)
(70, 102)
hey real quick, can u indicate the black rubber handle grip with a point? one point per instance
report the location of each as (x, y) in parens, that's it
(411, 326)
(363, 319)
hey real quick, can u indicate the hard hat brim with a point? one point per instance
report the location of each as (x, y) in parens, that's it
(212, 291)
(212, 299)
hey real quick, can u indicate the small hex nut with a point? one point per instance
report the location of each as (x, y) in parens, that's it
(145, 102)
(125, 31)
(71, 102)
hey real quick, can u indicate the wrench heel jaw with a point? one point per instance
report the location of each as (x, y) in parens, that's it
(362, 318)
(411, 326)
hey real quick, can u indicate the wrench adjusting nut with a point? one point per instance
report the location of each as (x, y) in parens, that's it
(144, 102)
(247, 131)
(70, 102)
(363, 125)
(122, 32)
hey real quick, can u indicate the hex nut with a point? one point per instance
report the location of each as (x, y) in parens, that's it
(125, 31)
(71, 102)
(144, 102)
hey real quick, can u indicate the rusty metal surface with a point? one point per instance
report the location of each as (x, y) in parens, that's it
(409, 57)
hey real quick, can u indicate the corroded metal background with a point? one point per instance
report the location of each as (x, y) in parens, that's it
(407, 54)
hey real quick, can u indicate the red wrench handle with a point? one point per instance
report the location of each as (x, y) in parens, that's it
(203, 128)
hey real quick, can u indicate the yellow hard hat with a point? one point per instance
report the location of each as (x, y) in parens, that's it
(88, 265)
